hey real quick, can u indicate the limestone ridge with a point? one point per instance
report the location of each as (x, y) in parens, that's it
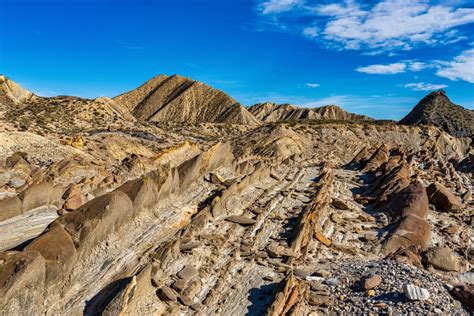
(179, 99)
(436, 109)
(271, 112)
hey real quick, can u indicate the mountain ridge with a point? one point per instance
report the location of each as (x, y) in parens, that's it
(272, 112)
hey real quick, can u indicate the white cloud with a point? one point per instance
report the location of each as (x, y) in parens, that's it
(278, 6)
(421, 86)
(382, 25)
(390, 24)
(313, 85)
(462, 67)
(418, 66)
(311, 31)
(388, 69)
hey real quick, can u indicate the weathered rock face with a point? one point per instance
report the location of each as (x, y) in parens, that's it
(436, 109)
(179, 99)
(107, 214)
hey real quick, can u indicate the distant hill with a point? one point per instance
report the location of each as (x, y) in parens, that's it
(179, 99)
(271, 112)
(436, 109)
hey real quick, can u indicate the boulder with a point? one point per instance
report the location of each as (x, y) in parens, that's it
(465, 293)
(442, 258)
(442, 198)
(40, 194)
(75, 201)
(10, 207)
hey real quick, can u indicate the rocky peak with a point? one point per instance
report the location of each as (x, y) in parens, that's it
(437, 109)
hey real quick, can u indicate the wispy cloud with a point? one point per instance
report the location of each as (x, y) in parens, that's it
(45, 92)
(461, 68)
(388, 69)
(313, 85)
(129, 46)
(421, 86)
(278, 6)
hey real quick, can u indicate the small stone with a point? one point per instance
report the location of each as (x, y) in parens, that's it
(313, 278)
(342, 297)
(331, 281)
(301, 273)
(179, 285)
(167, 293)
(216, 178)
(185, 300)
(187, 273)
(451, 229)
(415, 293)
(323, 239)
(371, 293)
(242, 220)
(190, 245)
(323, 273)
(339, 204)
(368, 237)
(372, 282)
(320, 300)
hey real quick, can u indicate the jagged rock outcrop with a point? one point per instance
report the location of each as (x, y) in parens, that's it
(436, 109)
(179, 99)
(271, 112)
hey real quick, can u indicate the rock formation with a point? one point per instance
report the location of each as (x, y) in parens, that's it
(109, 207)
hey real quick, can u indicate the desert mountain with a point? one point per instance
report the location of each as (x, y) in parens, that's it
(271, 112)
(179, 99)
(102, 213)
(436, 109)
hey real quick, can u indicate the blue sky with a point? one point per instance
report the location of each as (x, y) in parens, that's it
(370, 57)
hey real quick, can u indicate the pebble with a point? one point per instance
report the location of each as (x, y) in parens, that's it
(332, 281)
(415, 293)
(372, 282)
